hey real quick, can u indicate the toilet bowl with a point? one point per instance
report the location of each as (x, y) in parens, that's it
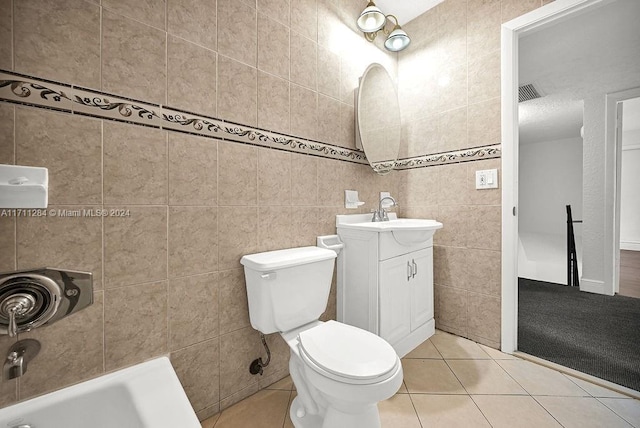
(340, 372)
(345, 371)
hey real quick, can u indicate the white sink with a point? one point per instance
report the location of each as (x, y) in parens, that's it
(406, 231)
(148, 395)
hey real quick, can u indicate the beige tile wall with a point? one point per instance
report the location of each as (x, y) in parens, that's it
(449, 89)
(196, 205)
(167, 276)
(243, 61)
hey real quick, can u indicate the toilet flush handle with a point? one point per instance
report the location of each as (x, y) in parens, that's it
(270, 276)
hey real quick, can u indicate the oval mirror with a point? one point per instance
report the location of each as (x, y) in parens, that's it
(378, 119)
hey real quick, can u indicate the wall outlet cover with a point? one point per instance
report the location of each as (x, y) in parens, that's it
(487, 179)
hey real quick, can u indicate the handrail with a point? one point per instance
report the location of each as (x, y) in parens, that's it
(573, 280)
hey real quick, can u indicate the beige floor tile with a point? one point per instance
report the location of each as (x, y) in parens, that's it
(287, 419)
(581, 412)
(448, 411)
(285, 384)
(595, 390)
(209, 415)
(272, 407)
(398, 411)
(430, 376)
(484, 377)
(497, 355)
(435, 393)
(210, 422)
(451, 346)
(509, 411)
(627, 408)
(539, 380)
(425, 350)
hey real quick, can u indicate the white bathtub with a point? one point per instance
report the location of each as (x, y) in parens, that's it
(147, 395)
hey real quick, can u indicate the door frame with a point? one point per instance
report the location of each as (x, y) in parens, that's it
(614, 112)
(511, 32)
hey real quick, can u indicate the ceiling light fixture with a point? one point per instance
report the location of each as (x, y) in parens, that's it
(372, 21)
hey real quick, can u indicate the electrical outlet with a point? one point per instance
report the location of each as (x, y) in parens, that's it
(487, 179)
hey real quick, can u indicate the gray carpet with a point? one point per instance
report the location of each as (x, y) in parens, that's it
(595, 334)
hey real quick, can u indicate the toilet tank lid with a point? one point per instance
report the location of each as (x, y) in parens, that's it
(279, 259)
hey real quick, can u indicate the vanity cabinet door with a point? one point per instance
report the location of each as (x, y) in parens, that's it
(395, 276)
(421, 287)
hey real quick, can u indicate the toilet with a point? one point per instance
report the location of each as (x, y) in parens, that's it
(340, 372)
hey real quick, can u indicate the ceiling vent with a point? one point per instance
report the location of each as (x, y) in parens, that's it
(528, 92)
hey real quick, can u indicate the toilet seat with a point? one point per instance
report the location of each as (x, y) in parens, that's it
(348, 354)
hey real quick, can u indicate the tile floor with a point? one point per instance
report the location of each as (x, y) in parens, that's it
(453, 382)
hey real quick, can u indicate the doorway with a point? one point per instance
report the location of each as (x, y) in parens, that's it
(629, 135)
(590, 84)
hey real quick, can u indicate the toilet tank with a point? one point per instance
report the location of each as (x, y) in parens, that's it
(288, 288)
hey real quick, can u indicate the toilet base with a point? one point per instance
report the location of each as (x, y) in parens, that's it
(368, 417)
(307, 421)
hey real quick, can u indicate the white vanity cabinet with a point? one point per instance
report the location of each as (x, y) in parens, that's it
(405, 294)
(386, 286)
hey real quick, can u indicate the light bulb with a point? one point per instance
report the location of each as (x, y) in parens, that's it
(371, 21)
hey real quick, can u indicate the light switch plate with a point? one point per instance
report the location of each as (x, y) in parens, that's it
(487, 179)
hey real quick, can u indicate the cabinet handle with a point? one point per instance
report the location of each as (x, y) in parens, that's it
(409, 271)
(415, 268)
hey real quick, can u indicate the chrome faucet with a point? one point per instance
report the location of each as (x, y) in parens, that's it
(19, 355)
(381, 213)
(14, 366)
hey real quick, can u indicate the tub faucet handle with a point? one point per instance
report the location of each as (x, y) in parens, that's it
(12, 328)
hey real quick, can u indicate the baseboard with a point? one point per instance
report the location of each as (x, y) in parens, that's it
(592, 286)
(630, 245)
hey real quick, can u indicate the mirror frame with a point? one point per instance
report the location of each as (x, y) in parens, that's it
(388, 165)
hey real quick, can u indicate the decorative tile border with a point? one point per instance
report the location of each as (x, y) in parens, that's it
(384, 167)
(466, 155)
(39, 93)
(22, 89)
(96, 104)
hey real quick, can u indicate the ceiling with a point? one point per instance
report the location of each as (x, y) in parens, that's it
(596, 52)
(405, 10)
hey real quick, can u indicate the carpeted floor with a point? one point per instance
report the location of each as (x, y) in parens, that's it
(595, 334)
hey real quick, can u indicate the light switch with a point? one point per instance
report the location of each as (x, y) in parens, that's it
(487, 179)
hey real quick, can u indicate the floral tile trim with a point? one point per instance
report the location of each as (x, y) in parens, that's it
(92, 103)
(192, 124)
(466, 155)
(22, 89)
